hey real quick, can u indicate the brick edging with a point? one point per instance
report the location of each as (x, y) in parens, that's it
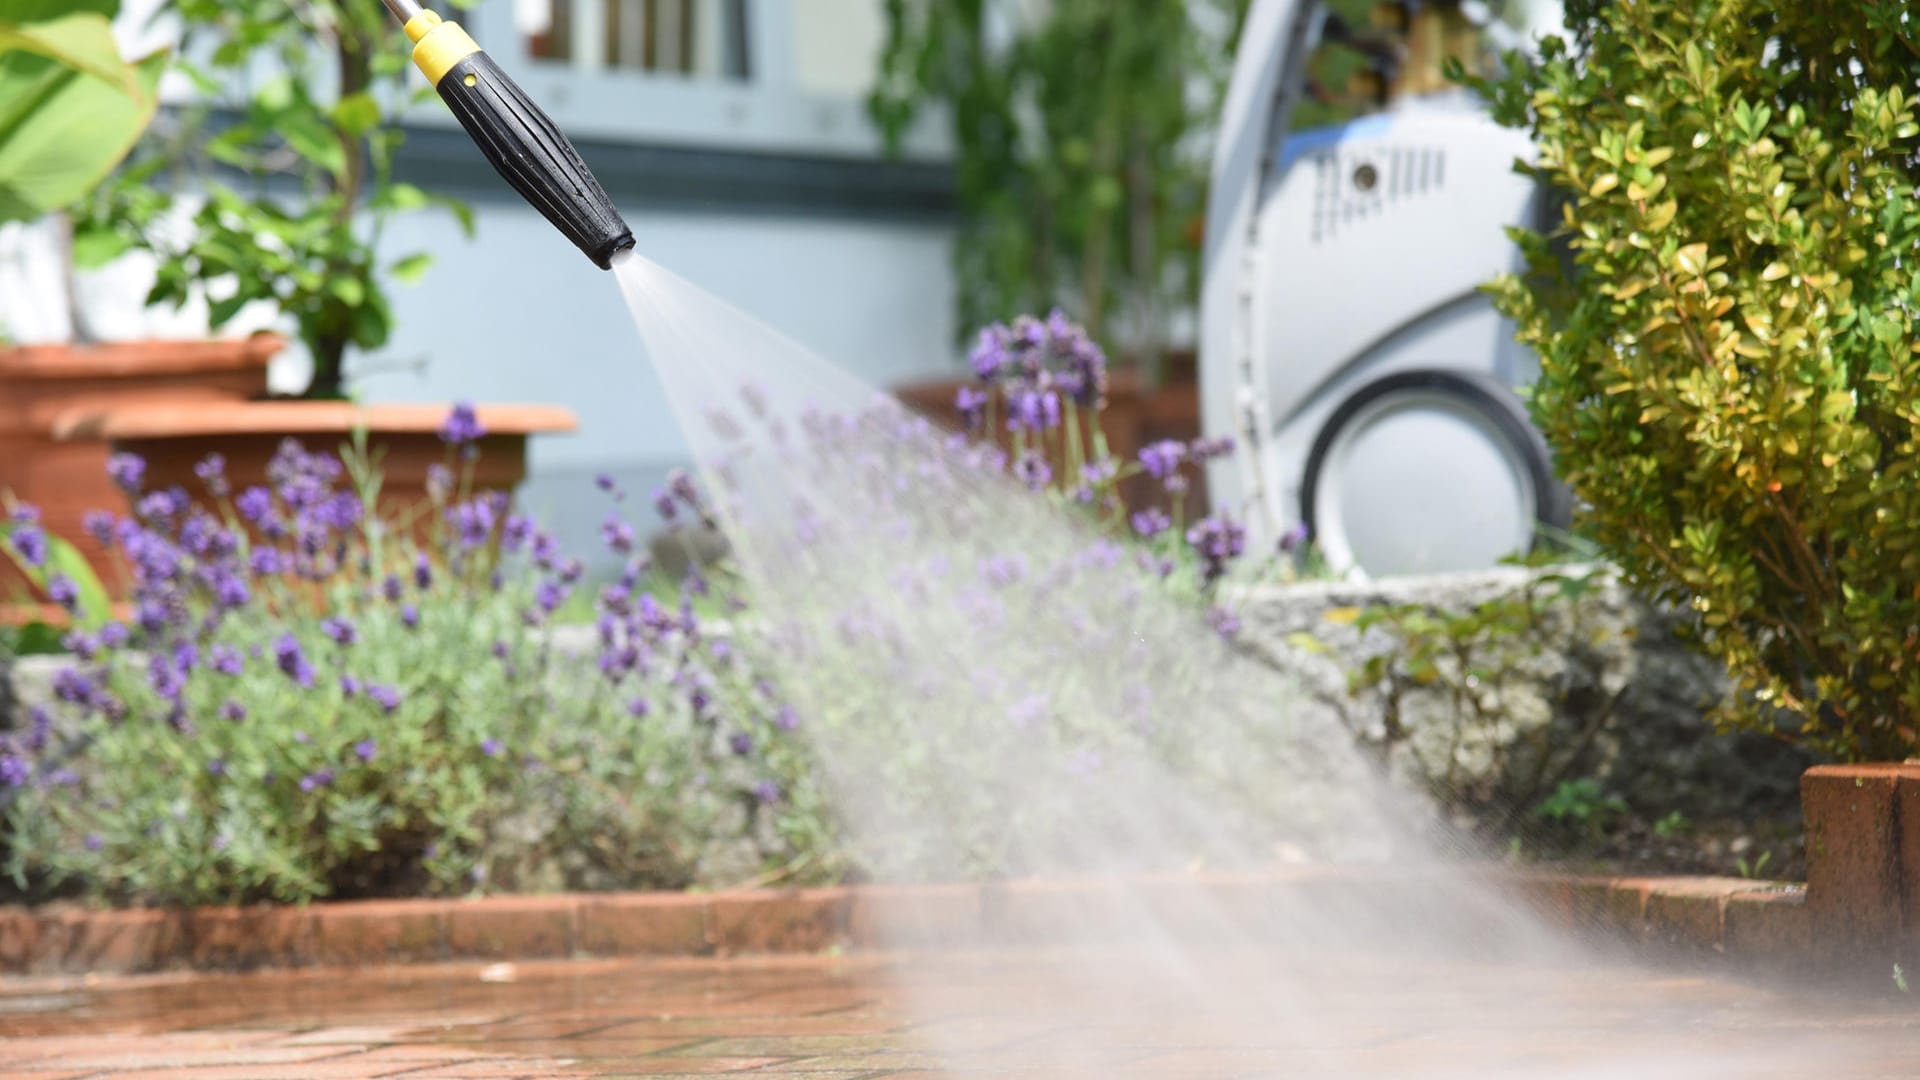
(1752, 920)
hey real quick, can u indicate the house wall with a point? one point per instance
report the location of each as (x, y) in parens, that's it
(771, 191)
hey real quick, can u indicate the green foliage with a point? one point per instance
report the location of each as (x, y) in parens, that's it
(298, 183)
(1081, 148)
(1729, 370)
(70, 105)
(1580, 805)
(1672, 825)
(1753, 869)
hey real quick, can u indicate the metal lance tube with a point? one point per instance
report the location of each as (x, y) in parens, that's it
(524, 145)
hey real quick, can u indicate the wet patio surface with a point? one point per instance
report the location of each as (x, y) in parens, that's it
(959, 1015)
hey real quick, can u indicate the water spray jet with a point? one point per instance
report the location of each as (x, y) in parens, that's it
(522, 142)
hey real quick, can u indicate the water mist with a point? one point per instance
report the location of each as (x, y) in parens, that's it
(998, 691)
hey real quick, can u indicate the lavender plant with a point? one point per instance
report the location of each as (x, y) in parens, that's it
(981, 672)
(1045, 382)
(321, 694)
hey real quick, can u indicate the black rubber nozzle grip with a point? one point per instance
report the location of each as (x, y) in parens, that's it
(532, 154)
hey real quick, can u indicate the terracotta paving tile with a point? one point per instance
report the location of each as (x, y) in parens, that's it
(348, 1069)
(163, 1057)
(500, 1069)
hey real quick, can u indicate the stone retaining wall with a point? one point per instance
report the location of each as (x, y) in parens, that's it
(1597, 687)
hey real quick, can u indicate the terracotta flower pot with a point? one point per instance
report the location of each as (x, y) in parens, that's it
(41, 386)
(1134, 417)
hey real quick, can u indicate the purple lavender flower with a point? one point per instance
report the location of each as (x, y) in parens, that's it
(159, 508)
(472, 522)
(129, 471)
(366, 749)
(1224, 622)
(517, 532)
(1162, 459)
(166, 681)
(439, 482)
(72, 686)
(1151, 522)
(216, 767)
(293, 662)
(391, 589)
(990, 353)
(664, 505)
(617, 534)
(1209, 449)
(340, 630)
(741, 743)
(317, 779)
(638, 708)
(81, 644)
(490, 747)
(227, 660)
(767, 791)
(213, 472)
(499, 650)
(550, 595)
(1033, 470)
(230, 591)
(93, 842)
(786, 719)
(462, 426)
(387, 697)
(114, 635)
(349, 686)
(571, 570)
(972, 403)
(14, 771)
(254, 504)
(26, 514)
(1294, 538)
(99, 525)
(61, 590)
(30, 544)
(545, 550)
(265, 562)
(1216, 540)
(409, 616)
(40, 728)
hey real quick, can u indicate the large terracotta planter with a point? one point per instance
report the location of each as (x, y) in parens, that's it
(43, 385)
(1135, 416)
(173, 438)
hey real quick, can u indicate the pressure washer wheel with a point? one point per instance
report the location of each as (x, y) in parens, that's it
(1426, 472)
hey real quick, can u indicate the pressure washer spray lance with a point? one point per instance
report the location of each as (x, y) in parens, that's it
(522, 142)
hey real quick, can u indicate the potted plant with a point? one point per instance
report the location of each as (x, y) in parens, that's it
(288, 190)
(81, 107)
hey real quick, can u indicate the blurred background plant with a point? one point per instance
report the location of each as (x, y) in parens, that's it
(71, 106)
(1729, 369)
(287, 178)
(1081, 151)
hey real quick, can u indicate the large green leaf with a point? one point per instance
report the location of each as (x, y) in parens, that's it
(79, 41)
(63, 128)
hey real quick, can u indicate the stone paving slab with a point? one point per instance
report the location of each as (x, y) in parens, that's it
(1037, 1013)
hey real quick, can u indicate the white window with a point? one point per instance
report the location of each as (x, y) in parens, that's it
(703, 39)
